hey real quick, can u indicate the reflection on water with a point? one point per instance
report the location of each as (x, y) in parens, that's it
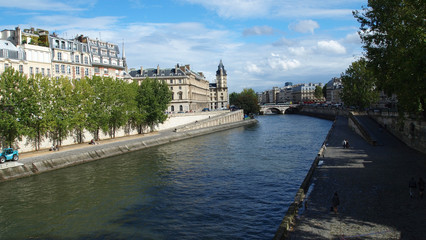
(235, 184)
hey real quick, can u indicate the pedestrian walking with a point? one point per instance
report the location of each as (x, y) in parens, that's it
(412, 186)
(344, 143)
(421, 187)
(336, 202)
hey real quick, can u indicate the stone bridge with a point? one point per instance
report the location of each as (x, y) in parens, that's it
(277, 108)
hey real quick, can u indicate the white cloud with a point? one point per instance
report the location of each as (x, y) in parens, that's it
(304, 26)
(253, 68)
(275, 9)
(331, 46)
(258, 30)
(39, 5)
(279, 63)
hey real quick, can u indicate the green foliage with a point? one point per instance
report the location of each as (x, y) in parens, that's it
(393, 35)
(359, 86)
(324, 91)
(12, 105)
(153, 96)
(318, 93)
(38, 105)
(246, 100)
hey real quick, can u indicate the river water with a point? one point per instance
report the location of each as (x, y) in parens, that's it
(235, 184)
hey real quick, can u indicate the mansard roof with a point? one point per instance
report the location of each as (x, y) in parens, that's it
(164, 72)
(219, 68)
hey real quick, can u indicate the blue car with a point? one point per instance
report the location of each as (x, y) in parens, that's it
(8, 154)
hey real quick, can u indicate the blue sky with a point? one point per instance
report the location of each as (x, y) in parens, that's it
(262, 43)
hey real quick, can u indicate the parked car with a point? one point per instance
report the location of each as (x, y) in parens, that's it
(8, 154)
(206, 109)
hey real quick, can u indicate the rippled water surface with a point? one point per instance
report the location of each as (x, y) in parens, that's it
(235, 184)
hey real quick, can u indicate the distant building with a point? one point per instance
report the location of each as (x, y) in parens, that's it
(11, 56)
(105, 58)
(219, 97)
(305, 92)
(70, 58)
(190, 89)
(334, 89)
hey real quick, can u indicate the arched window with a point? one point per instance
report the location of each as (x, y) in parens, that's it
(181, 108)
(180, 95)
(172, 108)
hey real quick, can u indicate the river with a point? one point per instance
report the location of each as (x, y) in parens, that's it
(235, 184)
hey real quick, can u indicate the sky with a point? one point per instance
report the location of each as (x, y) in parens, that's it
(262, 43)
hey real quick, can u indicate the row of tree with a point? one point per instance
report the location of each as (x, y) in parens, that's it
(37, 106)
(393, 36)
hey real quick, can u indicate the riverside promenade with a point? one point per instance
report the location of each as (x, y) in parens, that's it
(31, 163)
(372, 183)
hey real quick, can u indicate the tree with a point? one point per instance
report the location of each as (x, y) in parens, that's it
(247, 100)
(233, 98)
(82, 104)
(60, 112)
(324, 91)
(12, 105)
(359, 85)
(152, 99)
(318, 93)
(393, 35)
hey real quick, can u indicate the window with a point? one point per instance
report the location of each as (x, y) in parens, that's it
(69, 69)
(77, 59)
(75, 46)
(86, 72)
(42, 72)
(171, 81)
(59, 56)
(31, 71)
(77, 70)
(86, 60)
(56, 43)
(57, 68)
(48, 72)
(21, 68)
(180, 81)
(62, 68)
(84, 48)
(104, 52)
(96, 70)
(105, 70)
(180, 95)
(181, 108)
(63, 45)
(172, 108)
(6, 65)
(173, 96)
(36, 70)
(180, 87)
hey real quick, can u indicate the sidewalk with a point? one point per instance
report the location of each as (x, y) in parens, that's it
(372, 183)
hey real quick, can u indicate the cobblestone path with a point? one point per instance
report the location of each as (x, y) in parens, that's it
(372, 183)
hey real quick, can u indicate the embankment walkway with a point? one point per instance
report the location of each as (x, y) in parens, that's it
(372, 183)
(31, 163)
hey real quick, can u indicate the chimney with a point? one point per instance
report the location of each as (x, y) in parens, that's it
(158, 69)
(187, 66)
(176, 68)
(141, 70)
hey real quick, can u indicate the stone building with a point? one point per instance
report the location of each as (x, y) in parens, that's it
(219, 98)
(334, 88)
(305, 92)
(70, 58)
(190, 89)
(12, 56)
(105, 58)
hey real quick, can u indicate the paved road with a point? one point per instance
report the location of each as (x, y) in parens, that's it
(372, 183)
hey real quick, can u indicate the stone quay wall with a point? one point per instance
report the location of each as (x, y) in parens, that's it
(411, 132)
(173, 121)
(88, 154)
(290, 217)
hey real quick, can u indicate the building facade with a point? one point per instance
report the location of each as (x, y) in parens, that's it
(105, 58)
(190, 89)
(334, 89)
(219, 97)
(70, 58)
